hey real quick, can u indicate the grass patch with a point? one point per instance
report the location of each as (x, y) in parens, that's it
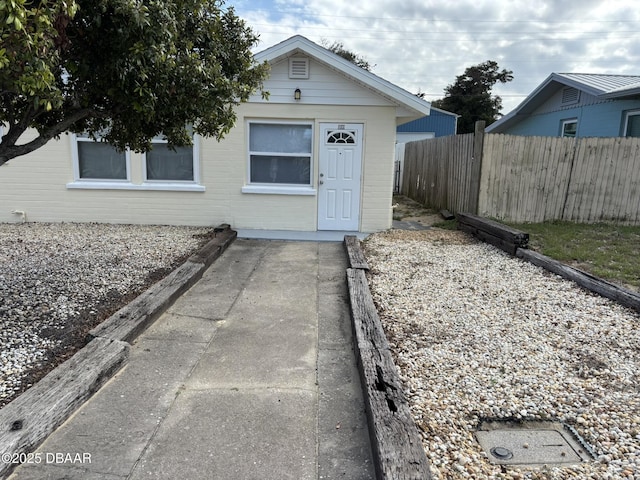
(611, 252)
(405, 207)
(446, 224)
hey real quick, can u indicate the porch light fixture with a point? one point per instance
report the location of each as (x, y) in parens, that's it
(297, 94)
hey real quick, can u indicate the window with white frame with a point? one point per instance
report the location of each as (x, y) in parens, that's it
(632, 124)
(163, 164)
(99, 165)
(96, 160)
(280, 153)
(569, 128)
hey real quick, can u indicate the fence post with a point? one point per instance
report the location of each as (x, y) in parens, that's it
(476, 167)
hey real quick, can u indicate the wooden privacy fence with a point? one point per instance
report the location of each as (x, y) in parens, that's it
(527, 179)
(444, 172)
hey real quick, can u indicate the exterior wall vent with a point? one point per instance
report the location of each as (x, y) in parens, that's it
(299, 67)
(570, 95)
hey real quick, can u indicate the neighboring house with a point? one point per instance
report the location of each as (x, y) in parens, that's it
(574, 104)
(439, 123)
(313, 161)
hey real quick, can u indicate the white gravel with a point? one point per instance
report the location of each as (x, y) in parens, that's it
(56, 279)
(477, 334)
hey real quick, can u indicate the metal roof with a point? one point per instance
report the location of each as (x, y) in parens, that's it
(598, 85)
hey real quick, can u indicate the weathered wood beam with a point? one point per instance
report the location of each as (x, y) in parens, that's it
(29, 419)
(446, 214)
(356, 257)
(208, 254)
(502, 244)
(624, 297)
(134, 318)
(496, 229)
(396, 443)
(502, 236)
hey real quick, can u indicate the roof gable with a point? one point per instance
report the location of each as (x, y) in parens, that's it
(299, 45)
(320, 86)
(598, 85)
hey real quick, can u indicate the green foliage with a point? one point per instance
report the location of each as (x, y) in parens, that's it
(126, 70)
(339, 49)
(446, 224)
(470, 95)
(31, 38)
(607, 251)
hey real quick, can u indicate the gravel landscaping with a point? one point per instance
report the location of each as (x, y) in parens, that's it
(479, 335)
(58, 281)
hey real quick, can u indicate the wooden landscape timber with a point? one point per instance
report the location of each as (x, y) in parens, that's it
(395, 440)
(515, 242)
(504, 237)
(586, 280)
(396, 444)
(223, 236)
(447, 215)
(133, 319)
(356, 257)
(28, 420)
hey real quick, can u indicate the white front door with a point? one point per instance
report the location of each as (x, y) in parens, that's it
(340, 167)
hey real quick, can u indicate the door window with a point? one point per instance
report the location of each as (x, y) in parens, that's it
(342, 136)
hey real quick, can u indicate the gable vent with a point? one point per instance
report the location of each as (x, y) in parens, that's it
(570, 95)
(298, 68)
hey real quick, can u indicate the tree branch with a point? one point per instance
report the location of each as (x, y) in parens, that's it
(17, 127)
(9, 150)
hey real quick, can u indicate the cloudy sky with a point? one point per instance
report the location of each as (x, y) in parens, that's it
(422, 45)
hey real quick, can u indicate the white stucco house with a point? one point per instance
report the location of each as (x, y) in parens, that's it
(314, 160)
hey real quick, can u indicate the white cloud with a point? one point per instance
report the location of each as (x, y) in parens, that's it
(423, 45)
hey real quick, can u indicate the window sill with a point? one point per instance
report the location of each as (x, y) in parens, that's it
(103, 185)
(278, 190)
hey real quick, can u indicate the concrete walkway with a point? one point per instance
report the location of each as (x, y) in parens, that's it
(249, 375)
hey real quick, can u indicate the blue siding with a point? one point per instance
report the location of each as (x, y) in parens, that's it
(442, 124)
(605, 119)
(544, 125)
(597, 120)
